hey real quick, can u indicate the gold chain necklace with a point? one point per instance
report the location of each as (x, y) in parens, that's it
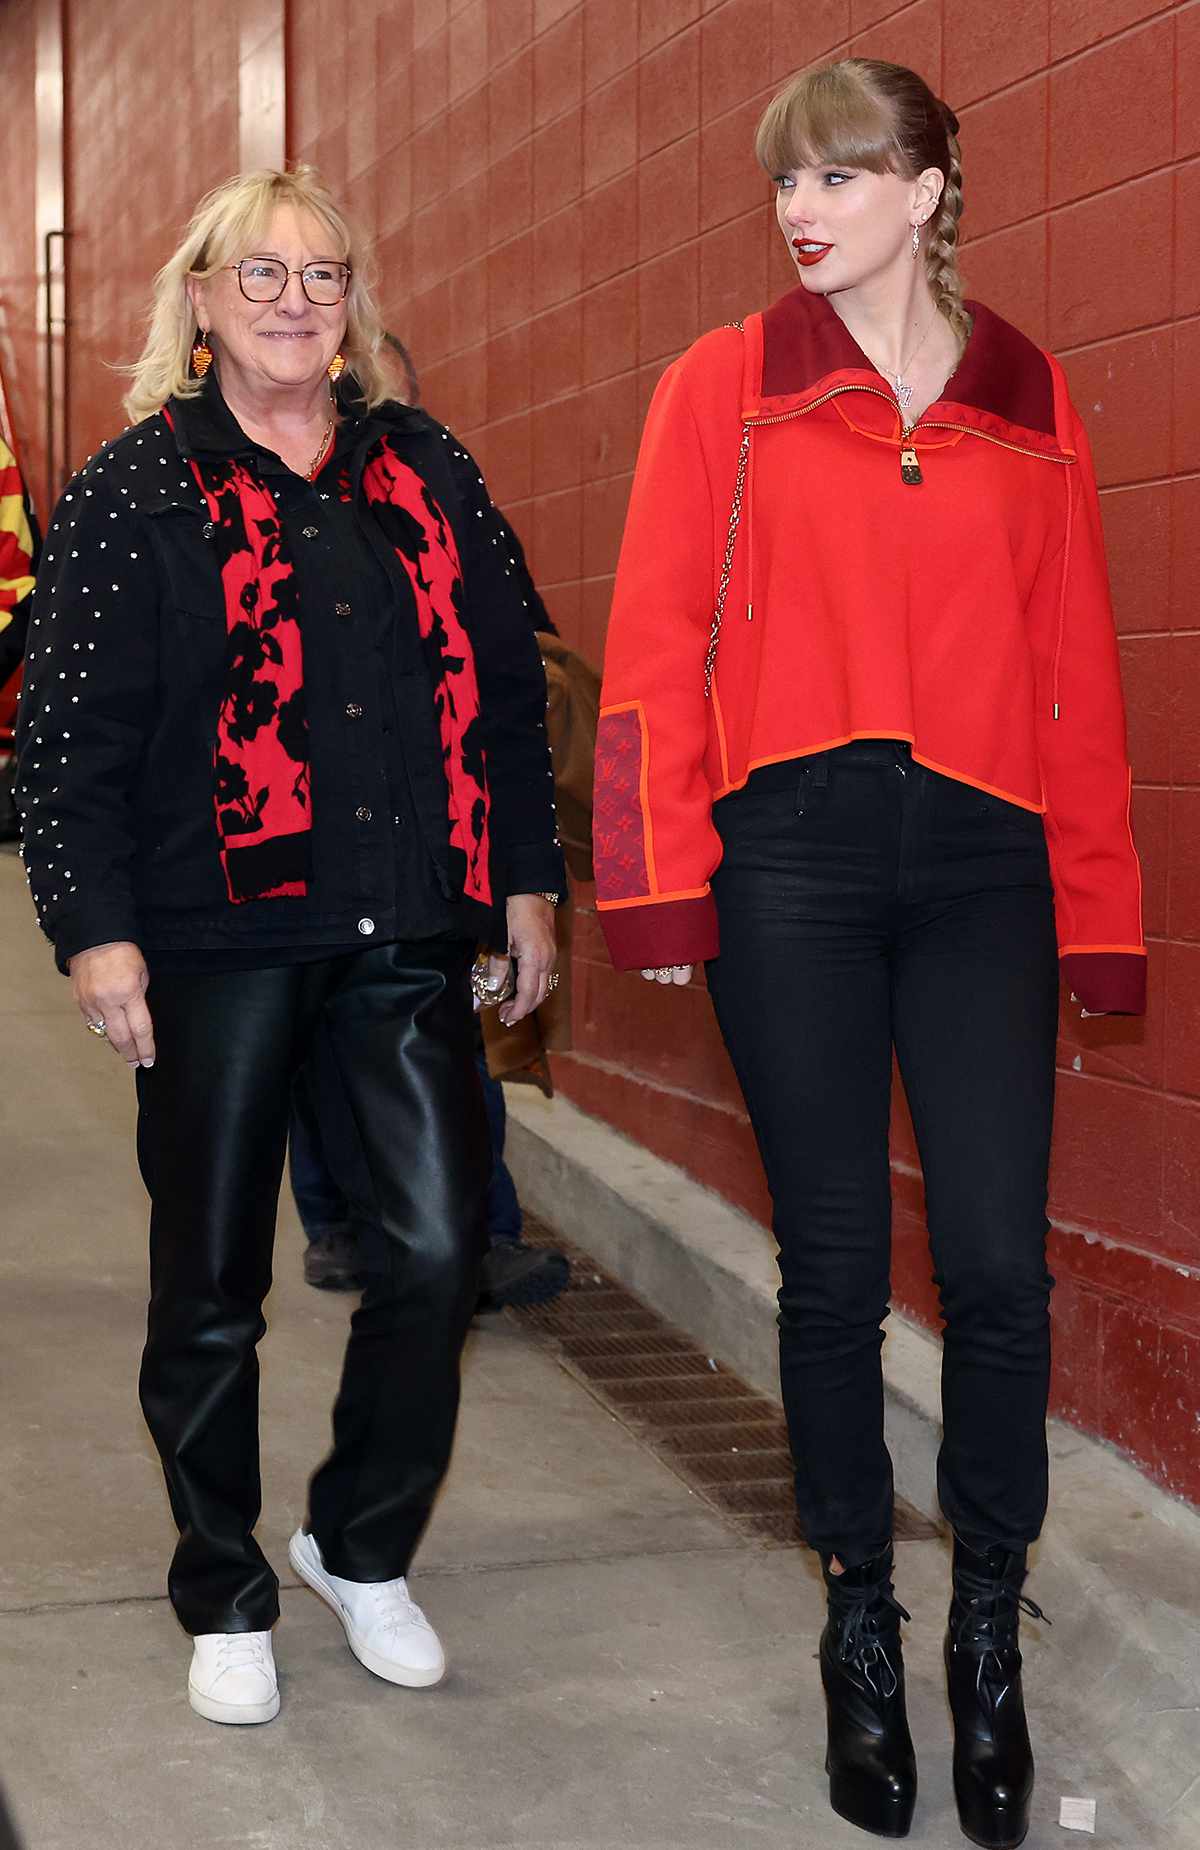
(319, 457)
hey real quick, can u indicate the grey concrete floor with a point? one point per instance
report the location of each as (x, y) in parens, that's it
(625, 1671)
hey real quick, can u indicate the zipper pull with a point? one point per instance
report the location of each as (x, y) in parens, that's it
(910, 466)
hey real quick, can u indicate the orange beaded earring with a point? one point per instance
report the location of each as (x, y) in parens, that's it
(202, 354)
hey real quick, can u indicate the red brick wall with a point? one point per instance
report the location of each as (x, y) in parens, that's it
(151, 115)
(18, 251)
(564, 195)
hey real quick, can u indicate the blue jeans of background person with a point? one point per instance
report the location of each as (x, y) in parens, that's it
(868, 905)
(504, 1220)
(319, 1119)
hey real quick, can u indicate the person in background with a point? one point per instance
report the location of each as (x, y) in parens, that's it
(862, 750)
(328, 1182)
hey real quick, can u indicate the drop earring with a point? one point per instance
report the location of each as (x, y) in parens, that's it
(336, 367)
(916, 243)
(202, 354)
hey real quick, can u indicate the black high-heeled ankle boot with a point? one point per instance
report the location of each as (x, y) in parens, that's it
(870, 1761)
(993, 1761)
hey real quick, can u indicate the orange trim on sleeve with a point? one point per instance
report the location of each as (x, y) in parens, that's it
(1087, 950)
(656, 899)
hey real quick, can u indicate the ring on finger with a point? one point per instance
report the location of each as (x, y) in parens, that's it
(96, 1027)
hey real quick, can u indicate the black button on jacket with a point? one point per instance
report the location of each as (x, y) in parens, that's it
(126, 670)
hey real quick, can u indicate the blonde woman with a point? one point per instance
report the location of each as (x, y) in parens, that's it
(862, 750)
(282, 760)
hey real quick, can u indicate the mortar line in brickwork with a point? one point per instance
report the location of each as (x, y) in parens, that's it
(1145, 1087)
(658, 1085)
(1053, 65)
(1092, 1236)
(1107, 340)
(1050, 213)
(1148, 481)
(1152, 481)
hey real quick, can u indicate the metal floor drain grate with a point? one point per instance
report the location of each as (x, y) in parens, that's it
(726, 1441)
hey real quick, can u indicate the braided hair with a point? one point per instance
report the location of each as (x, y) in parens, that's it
(941, 247)
(862, 112)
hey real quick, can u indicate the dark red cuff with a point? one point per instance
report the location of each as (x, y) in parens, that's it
(1107, 982)
(676, 931)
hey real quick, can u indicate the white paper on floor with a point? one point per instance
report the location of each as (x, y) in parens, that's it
(1077, 1815)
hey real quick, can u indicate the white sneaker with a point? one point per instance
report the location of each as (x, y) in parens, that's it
(232, 1678)
(384, 1628)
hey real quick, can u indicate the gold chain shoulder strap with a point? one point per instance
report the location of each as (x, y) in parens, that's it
(735, 515)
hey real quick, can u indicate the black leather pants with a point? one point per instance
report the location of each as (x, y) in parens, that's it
(212, 1134)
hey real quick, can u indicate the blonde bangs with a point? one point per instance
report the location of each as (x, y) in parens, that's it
(828, 118)
(226, 224)
(225, 229)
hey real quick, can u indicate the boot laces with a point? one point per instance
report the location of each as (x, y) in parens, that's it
(986, 1623)
(866, 1618)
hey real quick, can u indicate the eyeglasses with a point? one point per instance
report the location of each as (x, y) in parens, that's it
(264, 279)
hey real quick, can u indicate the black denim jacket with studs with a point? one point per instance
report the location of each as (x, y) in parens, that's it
(125, 671)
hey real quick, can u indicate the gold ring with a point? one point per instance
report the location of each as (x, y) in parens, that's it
(97, 1028)
(487, 993)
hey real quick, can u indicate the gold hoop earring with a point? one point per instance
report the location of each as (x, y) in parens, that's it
(202, 354)
(336, 367)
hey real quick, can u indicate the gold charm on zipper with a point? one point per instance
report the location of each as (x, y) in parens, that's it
(910, 466)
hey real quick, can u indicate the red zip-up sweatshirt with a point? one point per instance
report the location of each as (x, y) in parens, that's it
(967, 613)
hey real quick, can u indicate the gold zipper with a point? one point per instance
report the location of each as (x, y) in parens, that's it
(910, 462)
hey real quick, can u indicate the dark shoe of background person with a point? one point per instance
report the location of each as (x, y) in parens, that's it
(514, 1273)
(993, 1761)
(333, 1263)
(870, 1760)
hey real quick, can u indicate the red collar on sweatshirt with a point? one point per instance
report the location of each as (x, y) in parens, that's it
(1003, 382)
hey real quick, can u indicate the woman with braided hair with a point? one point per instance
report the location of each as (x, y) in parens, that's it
(862, 750)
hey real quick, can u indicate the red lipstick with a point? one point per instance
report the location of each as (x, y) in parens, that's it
(806, 258)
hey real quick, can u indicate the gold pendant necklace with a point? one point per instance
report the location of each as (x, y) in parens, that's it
(904, 391)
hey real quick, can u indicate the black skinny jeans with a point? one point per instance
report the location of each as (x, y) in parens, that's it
(866, 903)
(212, 1132)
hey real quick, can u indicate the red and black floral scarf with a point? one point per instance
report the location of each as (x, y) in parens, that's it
(260, 761)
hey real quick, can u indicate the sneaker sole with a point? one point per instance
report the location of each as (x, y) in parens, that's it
(370, 1660)
(233, 1713)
